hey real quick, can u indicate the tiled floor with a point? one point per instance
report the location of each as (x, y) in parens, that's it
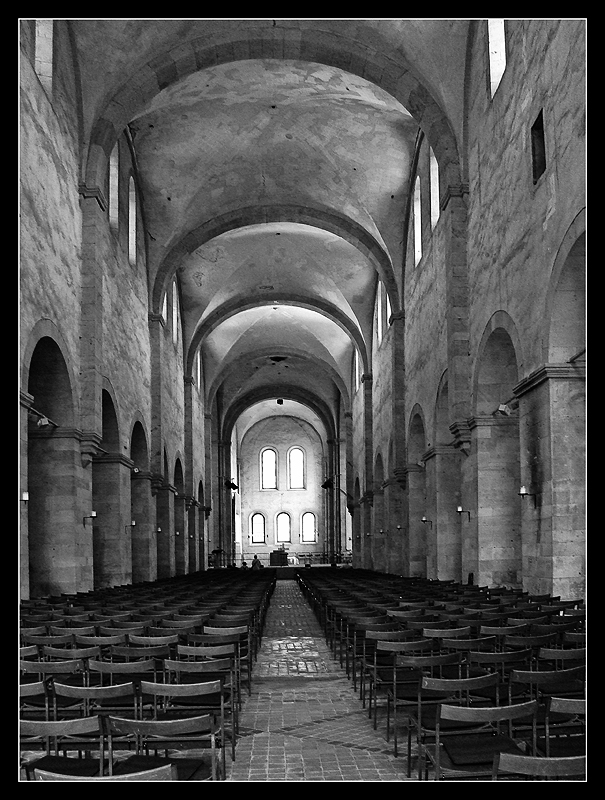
(303, 721)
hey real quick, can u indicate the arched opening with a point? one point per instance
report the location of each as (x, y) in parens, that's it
(111, 497)
(378, 539)
(142, 522)
(181, 546)
(498, 516)
(422, 544)
(58, 549)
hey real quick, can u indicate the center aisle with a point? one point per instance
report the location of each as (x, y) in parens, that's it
(303, 721)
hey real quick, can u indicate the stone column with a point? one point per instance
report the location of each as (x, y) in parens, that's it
(422, 547)
(165, 533)
(144, 533)
(496, 515)
(442, 491)
(193, 533)
(393, 536)
(553, 469)
(112, 537)
(181, 538)
(378, 538)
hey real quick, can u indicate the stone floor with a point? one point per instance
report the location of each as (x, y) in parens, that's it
(303, 721)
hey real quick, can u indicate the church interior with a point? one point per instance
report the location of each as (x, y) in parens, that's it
(306, 295)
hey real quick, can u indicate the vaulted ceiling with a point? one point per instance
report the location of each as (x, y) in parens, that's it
(274, 159)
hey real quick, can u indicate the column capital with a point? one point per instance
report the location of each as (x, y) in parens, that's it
(151, 317)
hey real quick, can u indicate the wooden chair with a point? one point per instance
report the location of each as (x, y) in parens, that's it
(169, 701)
(199, 735)
(422, 716)
(469, 754)
(509, 766)
(238, 635)
(564, 728)
(56, 739)
(165, 773)
(224, 702)
(86, 701)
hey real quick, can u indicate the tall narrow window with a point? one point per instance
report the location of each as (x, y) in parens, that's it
(387, 310)
(175, 312)
(282, 523)
(434, 167)
(417, 223)
(357, 369)
(257, 529)
(497, 52)
(379, 313)
(538, 147)
(296, 468)
(113, 187)
(198, 369)
(268, 466)
(308, 528)
(165, 307)
(132, 222)
(44, 52)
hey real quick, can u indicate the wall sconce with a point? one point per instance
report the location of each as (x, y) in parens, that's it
(430, 522)
(399, 529)
(92, 515)
(230, 485)
(177, 533)
(25, 496)
(132, 525)
(524, 493)
(460, 510)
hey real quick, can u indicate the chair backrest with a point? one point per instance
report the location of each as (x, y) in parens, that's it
(165, 773)
(153, 641)
(537, 680)
(206, 651)
(129, 652)
(538, 766)
(78, 733)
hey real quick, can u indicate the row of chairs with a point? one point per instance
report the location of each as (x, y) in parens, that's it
(509, 648)
(192, 663)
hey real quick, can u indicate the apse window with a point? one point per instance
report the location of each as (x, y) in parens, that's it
(417, 222)
(497, 52)
(282, 524)
(257, 529)
(132, 222)
(113, 187)
(296, 468)
(308, 533)
(538, 147)
(356, 370)
(175, 312)
(198, 370)
(434, 176)
(268, 469)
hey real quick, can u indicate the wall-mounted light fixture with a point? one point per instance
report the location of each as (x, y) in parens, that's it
(177, 533)
(92, 515)
(399, 529)
(230, 485)
(523, 492)
(427, 521)
(460, 510)
(132, 525)
(25, 496)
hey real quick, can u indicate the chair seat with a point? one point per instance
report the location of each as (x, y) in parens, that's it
(65, 765)
(188, 769)
(478, 750)
(563, 746)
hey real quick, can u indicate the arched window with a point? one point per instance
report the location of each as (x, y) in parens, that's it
(282, 523)
(113, 187)
(417, 222)
(379, 313)
(132, 222)
(434, 167)
(308, 532)
(356, 369)
(257, 529)
(268, 469)
(296, 468)
(43, 63)
(175, 312)
(198, 369)
(497, 52)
